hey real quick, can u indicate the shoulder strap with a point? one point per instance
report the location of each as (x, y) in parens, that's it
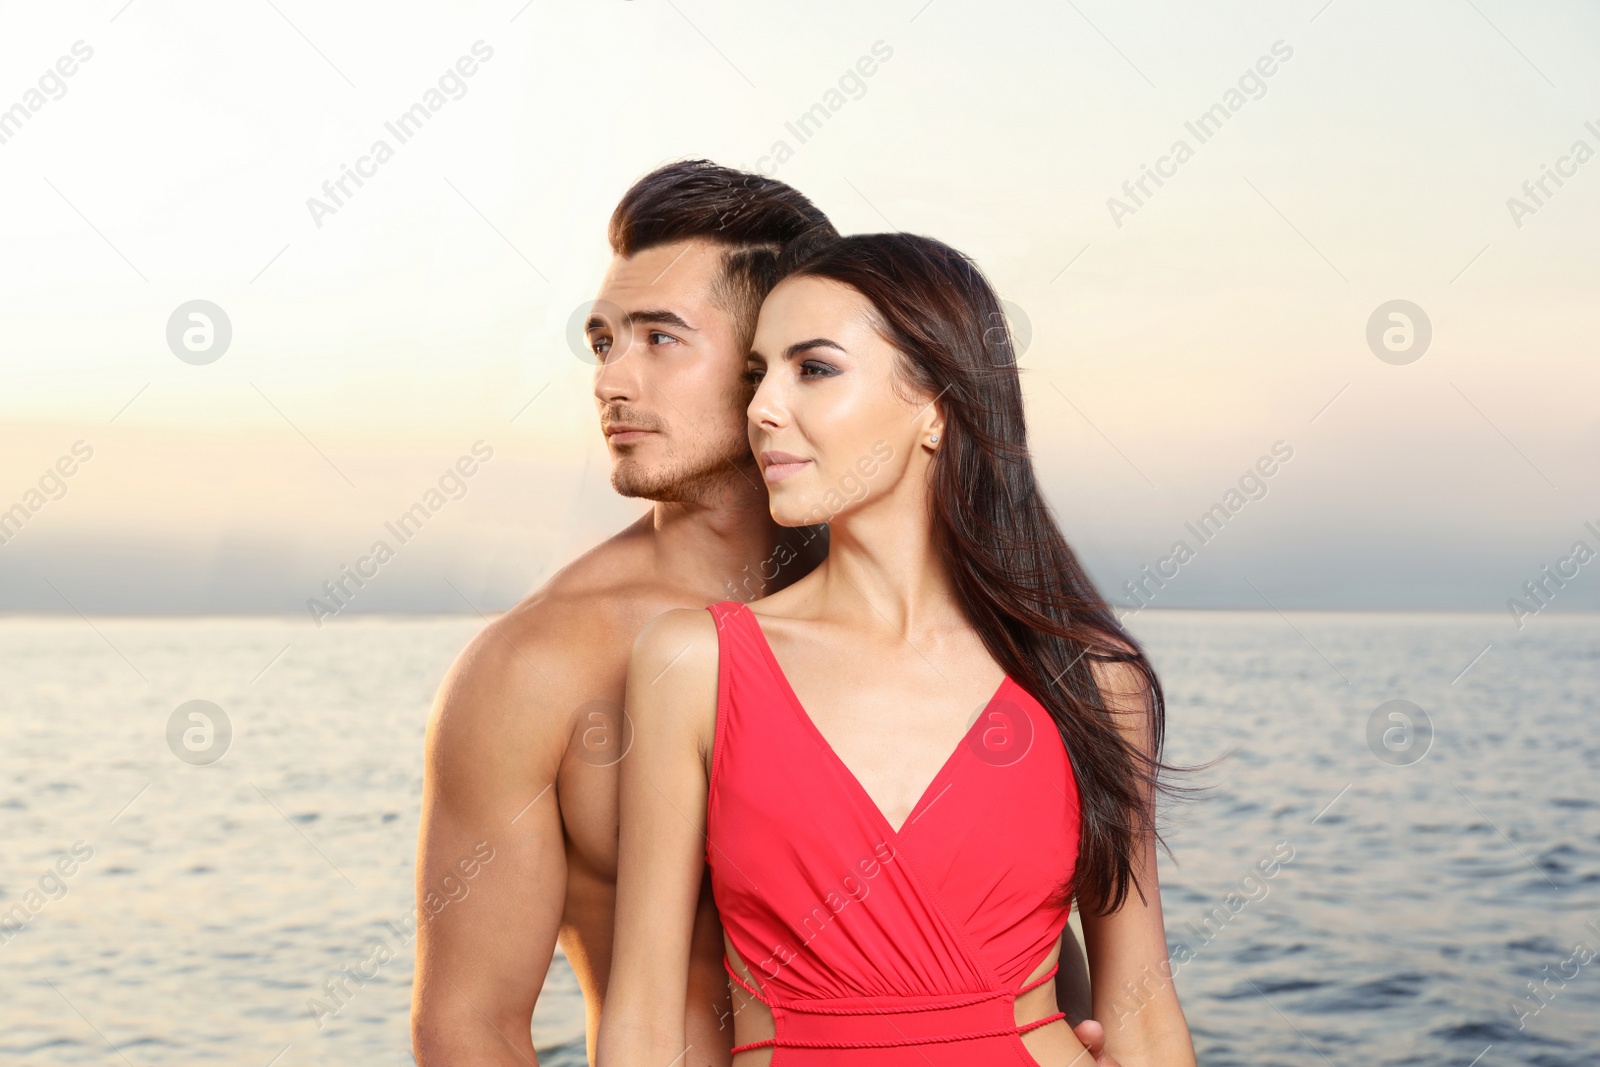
(723, 611)
(730, 663)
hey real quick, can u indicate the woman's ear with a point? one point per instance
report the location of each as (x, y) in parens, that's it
(933, 432)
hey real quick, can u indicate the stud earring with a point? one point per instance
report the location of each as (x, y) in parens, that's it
(935, 437)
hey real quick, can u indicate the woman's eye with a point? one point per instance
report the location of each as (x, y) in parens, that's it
(753, 375)
(821, 370)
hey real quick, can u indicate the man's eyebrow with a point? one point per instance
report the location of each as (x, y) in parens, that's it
(799, 347)
(657, 316)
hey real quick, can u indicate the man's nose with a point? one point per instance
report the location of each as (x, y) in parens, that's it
(616, 380)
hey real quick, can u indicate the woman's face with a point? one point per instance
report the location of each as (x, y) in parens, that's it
(830, 426)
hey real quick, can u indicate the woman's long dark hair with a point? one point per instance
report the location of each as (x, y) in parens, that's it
(1020, 584)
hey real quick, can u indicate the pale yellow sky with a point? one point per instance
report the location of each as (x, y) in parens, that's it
(1172, 346)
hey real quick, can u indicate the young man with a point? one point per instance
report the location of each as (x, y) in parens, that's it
(527, 729)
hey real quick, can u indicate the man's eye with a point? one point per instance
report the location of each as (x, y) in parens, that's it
(600, 346)
(657, 333)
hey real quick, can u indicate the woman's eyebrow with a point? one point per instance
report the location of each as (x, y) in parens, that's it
(806, 346)
(799, 347)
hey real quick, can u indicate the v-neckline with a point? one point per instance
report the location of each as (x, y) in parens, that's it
(832, 754)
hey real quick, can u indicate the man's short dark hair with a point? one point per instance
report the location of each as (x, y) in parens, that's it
(757, 218)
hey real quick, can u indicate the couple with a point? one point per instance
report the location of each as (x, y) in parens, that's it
(843, 823)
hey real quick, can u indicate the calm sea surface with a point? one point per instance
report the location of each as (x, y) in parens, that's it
(206, 906)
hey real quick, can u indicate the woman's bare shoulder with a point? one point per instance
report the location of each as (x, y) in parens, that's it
(673, 666)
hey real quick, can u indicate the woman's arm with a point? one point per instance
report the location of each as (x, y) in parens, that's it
(671, 705)
(1131, 976)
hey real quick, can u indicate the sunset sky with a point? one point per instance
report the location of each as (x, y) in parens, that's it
(1176, 336)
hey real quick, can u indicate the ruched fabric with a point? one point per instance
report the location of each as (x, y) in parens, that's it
(872, 945)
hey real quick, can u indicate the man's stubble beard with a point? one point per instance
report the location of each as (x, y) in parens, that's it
(680, 479)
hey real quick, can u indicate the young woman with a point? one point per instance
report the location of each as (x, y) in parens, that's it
(901, 770)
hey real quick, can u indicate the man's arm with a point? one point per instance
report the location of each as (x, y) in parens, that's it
(708, 1016)
(1072, 979)
(484, 943)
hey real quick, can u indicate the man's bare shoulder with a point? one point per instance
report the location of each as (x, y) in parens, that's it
(565, 643)
(592, 608)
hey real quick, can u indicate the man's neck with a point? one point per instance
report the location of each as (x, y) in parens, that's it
(726, 547)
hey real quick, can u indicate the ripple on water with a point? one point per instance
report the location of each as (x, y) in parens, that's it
(1419, 900)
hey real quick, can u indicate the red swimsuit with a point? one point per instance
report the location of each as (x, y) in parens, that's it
(872, 945)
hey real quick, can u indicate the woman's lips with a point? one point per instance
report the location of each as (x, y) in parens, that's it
(777, 472)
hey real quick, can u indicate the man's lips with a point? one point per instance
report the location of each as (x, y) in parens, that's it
(622, 433)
